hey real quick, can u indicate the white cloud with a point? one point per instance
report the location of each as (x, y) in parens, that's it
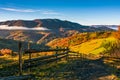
(46, 12)
(49, 12)
(6, 27)
(19, 10)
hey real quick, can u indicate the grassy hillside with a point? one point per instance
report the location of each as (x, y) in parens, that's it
(93, 46)
(87, 43)
(78, 38)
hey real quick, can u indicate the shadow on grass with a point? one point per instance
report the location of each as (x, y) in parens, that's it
(85, 69)
(8, 67)
(79, 69)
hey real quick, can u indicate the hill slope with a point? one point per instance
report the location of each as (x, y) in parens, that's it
(52, 28)
(87, 43)
(52, 24)
(94, 46)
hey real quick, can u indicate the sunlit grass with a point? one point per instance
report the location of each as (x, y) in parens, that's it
(97, 51)
(93, 46)
(9, 64)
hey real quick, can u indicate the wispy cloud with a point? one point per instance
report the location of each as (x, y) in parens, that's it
(50, 12)
(19, 10)
(47, 12)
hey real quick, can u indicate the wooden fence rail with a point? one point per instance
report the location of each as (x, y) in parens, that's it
(45, 50)
(39, 61)
(44, 57)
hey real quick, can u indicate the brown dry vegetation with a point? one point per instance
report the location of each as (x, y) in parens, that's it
(78, 38)
(6, 52)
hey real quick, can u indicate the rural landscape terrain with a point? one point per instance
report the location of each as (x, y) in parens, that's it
(54, 49)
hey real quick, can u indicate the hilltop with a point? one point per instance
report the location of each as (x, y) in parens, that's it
(51, 24)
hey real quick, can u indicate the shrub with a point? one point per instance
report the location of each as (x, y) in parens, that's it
(5, 52)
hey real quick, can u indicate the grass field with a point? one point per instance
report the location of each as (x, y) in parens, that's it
(63, 70)
(93, 46)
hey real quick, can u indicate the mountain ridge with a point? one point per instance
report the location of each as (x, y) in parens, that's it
(56, 29)
(52, 24)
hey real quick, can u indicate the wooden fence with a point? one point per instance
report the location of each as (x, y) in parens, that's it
(33, 62)
(39, 61)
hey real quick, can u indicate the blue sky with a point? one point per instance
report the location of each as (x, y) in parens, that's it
(86, 12)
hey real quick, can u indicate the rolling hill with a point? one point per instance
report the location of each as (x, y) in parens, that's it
(42, 31)
(95, 46)
(87, 43)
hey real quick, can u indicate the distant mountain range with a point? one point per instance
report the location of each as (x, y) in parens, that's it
(115, 27)
(43, 30)
(48, 24)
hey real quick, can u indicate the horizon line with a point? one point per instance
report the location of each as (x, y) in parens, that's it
(58, 19)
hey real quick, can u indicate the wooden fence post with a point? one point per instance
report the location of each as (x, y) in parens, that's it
(20, 57)
(81, 56)
(78, 55)
(67, 54)
(30, 62)
(56, 54)
(28, 45)
(30, 56)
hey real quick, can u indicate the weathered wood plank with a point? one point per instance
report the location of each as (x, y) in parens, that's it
(44, 62)
(45, 50)
(73, 52)
(110, 57)
(45, 57)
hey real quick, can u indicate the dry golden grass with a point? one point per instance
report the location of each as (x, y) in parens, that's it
(93, 46)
